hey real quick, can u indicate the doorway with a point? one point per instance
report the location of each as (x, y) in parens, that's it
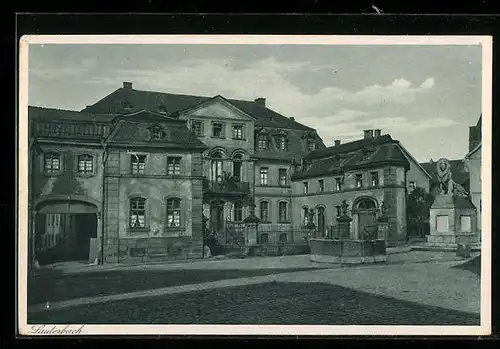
(321, 221)
(217, 217)
(367, 219)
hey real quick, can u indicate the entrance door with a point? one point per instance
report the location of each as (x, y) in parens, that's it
(367, 219)
(85, 226)
(321, 221)
(217, 217)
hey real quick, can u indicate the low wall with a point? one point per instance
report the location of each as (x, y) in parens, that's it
(277, 250)
(347, 251)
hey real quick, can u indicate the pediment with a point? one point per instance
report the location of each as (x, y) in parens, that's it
(219, 108)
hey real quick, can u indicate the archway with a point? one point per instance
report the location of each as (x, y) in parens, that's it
(367, 218)
(63, 230)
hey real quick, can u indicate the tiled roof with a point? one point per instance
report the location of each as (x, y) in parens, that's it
(358, 154)
(151, 100)
(459, 172)
(61, 114)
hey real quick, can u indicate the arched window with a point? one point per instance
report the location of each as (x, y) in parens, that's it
(217, 166)
(174, 212)
(237, 167)
(52, 162)
(366, 204)
(137, 213)
(85, 164)
(238, 211)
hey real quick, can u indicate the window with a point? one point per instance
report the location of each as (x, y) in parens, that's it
(237, 131)
(218, 130)
(283, 211)
(321, 184)
(137, 213)
(283, 177)
(52, 162)
(412, 185)
(138, 163)
(237, 168)
(162, 109)
(238, 211)
(217, 167)
(262, 141)
(338, 184)
(282, 142)
(264, 238)
(283, 237)
(263, 175)
(359, 180)
(374, 179)
(305, 215)
(311, 145)
(85, 164)
(173, 166)
(339, 210)
(306, 187)
(174, 212)
(264, 211)
(197, 128)
(156, 134)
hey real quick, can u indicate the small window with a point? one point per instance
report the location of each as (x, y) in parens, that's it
(162, 109)
(238, 211)
(218, 130)
(283, 177)
(52, 162)
(412, 185)
(173, 166)
(238, 131)
(321, 184)
(338, 184)
(138, 163)
(126, 105)
(264, 211)
(282, 142)
(197, 128)
(374, 179)
(283, 237)
(359, 180)
(306, 188)
(174, 212)
(311, 145)
(137, 213)
(263, 175)
(156, 133)
(85, 164)
(262, 142)
(283, 211)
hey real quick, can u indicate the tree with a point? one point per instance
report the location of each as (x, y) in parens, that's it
(417, 211)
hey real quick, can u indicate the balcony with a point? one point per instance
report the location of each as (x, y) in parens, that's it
(225, 188)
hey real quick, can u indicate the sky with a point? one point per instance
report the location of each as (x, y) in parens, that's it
(424, 96)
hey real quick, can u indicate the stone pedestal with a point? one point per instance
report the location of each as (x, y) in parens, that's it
(453, 220)
(344, 227)
(382, 228)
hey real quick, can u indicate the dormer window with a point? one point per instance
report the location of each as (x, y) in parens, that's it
(282, 142)
(262, 142)
(126, 105)
(162, 109)
(311, 145)
(157, 132)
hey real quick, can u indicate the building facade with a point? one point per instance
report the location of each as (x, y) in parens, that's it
(473, 161)
(150, 170)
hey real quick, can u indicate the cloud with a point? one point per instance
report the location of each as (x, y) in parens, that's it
(62, 72)
(428, 83)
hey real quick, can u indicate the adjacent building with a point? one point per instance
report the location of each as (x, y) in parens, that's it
(140, 173)
(473, 161)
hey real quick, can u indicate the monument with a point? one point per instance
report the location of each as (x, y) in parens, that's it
(453, 216)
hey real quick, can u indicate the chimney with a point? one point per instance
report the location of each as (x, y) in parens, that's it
(292, 118)
(337, 142)
(127, 85)
(260, 101)
(377, 133)
(368, 134)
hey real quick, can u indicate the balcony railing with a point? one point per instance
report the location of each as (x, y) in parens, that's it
(226, 188)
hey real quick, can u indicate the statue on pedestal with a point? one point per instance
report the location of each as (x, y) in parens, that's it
(446, 184)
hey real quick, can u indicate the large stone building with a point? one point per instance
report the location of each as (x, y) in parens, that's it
(143, 169)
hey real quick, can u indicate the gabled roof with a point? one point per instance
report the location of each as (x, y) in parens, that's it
(210, 100)
(359, 154)
(459, 172)
(174, 103)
